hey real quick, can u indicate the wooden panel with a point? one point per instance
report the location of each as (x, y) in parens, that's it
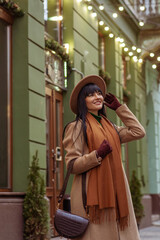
(36, 105)
(35, 31)
(37, 130)
(36, 56)
(36, 81)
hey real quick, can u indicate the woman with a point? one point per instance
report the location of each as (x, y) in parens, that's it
(95, 143)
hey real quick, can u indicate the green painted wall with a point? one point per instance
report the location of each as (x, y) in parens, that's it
(153, 126)
(28, 91)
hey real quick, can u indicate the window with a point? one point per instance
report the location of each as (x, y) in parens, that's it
(5, 101)
(53, 19)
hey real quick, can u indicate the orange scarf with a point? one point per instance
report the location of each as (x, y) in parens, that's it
(106, 185)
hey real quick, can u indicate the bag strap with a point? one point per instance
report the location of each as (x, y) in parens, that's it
(69, 170)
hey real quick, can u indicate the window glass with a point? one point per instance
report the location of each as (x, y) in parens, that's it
(4, 105)
(53, 26)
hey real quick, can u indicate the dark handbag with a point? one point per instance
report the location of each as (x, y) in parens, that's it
(67, 224)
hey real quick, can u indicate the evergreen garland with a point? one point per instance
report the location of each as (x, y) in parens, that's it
(105, 75)
(35, 208)
(135, 187)
(60, 51)
(12, 8)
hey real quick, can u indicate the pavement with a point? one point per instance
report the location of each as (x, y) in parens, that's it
(149, 233)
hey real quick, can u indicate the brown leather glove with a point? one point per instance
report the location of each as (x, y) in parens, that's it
(111, 101)
(104, 149)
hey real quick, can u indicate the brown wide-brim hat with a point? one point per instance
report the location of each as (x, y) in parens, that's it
(95, 79)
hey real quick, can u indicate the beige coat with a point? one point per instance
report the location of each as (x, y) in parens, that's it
(132, 130)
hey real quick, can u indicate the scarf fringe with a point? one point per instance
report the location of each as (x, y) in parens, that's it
(98, 216)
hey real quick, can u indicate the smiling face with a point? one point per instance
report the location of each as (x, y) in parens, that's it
(94, 102)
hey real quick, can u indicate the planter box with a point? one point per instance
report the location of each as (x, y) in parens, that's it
(11, 218)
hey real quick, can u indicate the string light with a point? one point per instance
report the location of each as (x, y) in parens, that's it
(141, 23)
(122, 44)
(140, 60)
(158, 59)
(139, 50)
(90, 7)
(135, 58)
(151, 55)
(94, 14)
(134, 48)
(111, 35)
(121, 9)
(154, 66)
(118, 39)
(142, 8)
(106, 28)
(101, 23)
(126, 49)
(130, 54)
(101, 7)
(121, 40)
(115, 15)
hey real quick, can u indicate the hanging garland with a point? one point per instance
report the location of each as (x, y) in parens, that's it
(60, 51)
(105, 75)
(126, 92)
(12, 8)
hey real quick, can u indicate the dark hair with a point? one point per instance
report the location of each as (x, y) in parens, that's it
(82, 108)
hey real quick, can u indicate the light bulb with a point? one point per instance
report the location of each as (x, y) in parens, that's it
(121, 40)
(101, 23)
(139, 50)
(121, 8)
(141, 23)
(118, 39)
(94, 14)
(101, 7)
(106, 28)
(151, 54)
(130, 54)
(111, 35)
(158, 59)
(133, 48)
(154, 66)
(135, 58)
(142, 8)
(122, 44)
(126, 49)
(115, 15)
(90, 7)
(140, 60)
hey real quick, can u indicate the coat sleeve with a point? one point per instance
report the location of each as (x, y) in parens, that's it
(75, 147)
(132, 130)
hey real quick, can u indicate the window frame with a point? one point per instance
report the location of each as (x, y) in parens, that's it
(6, 17)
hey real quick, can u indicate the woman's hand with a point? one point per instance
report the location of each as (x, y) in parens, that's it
(111, 101)
(104, 149)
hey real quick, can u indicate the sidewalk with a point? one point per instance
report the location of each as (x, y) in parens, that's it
(149, 233)
(152, 232)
